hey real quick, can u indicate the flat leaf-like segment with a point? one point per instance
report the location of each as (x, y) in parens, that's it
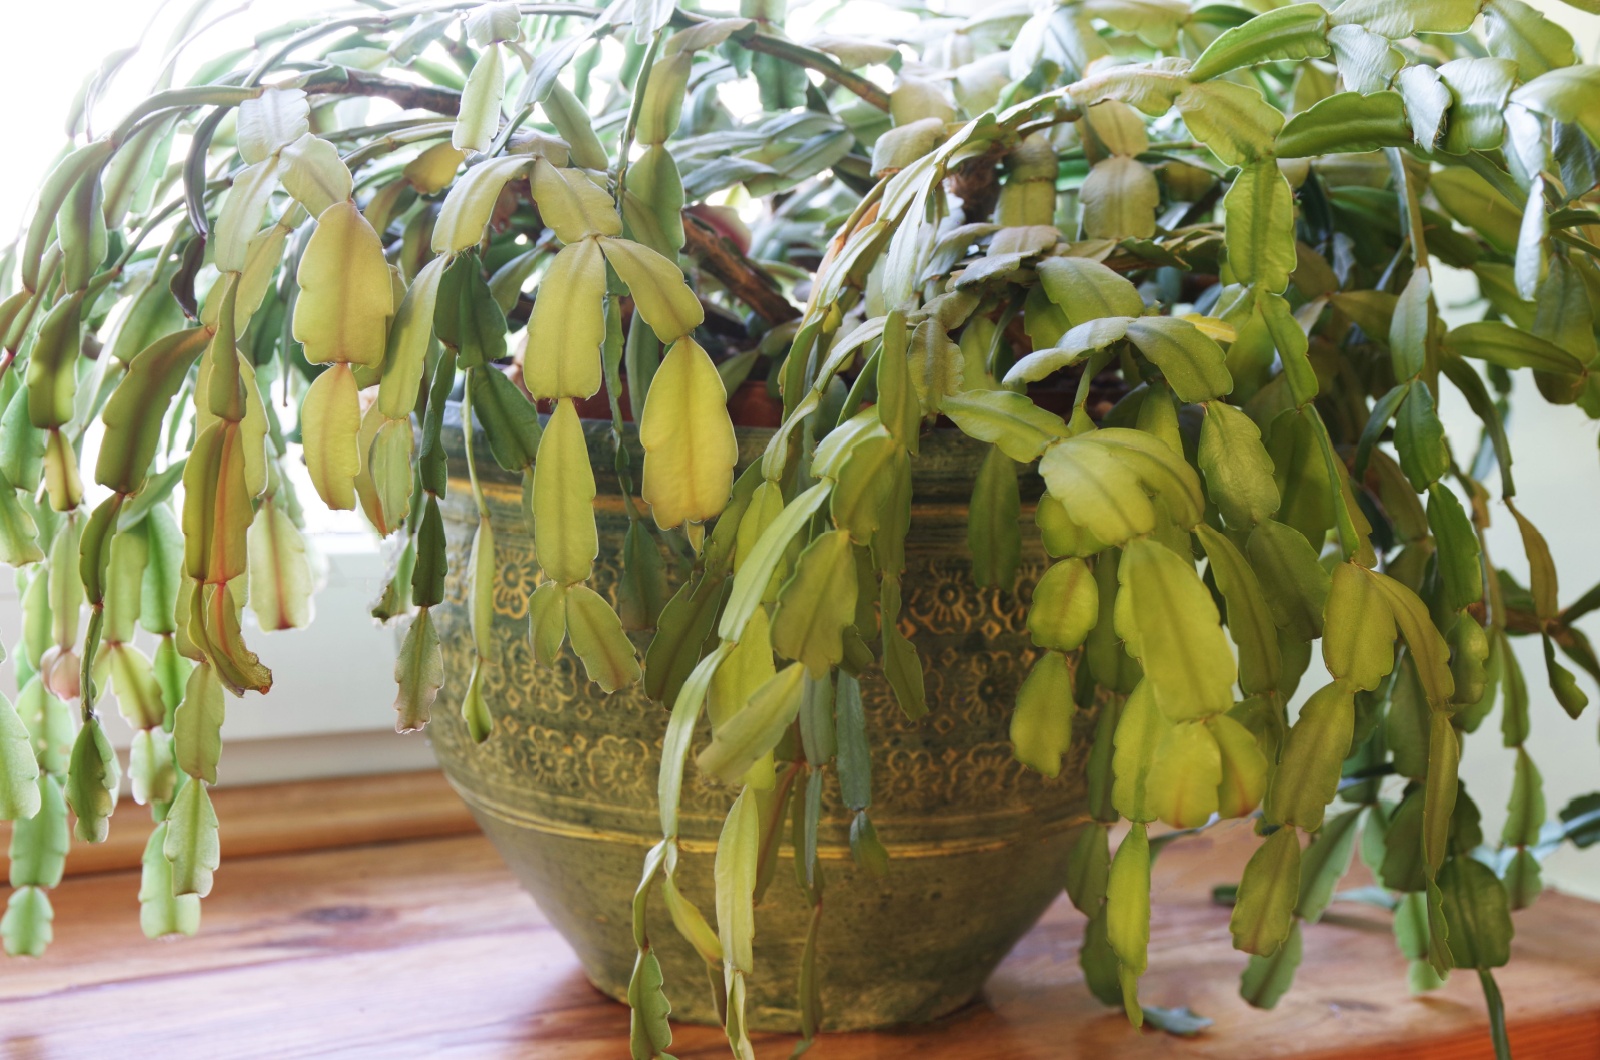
(688, 438)
(1345, 122)
(1170, 624)
(1018, 427)
(568, 325)
(1358, 628)
(1308, 770)
(563, 500)
(418, 674)
(1086, 290)
(1235, 121)
(1298, 31)
(1238, 471)
(1041, 724)
(1264, 912)
(817, 603)
(1190, 359)
(597, 637)
(1260, 227)
(659, 292)
(573, 205)
(1508, 347)
(742, 740)
(1083, 339)
(1104, 479)
(132, 420)
(330, 421)
(467, 208)
(1398, 20)
(346, 295)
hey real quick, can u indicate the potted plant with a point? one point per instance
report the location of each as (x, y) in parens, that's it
(1030, 390)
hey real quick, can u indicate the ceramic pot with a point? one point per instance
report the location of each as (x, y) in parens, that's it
(565, 786)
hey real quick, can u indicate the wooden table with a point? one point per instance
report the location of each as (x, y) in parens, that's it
(426, 947)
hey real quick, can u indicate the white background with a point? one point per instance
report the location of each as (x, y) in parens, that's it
(330, 712)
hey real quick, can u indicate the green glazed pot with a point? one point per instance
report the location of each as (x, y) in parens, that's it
(565, 786)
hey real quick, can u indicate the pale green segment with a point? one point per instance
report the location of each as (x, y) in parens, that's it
(563, 500)
(1170, 623)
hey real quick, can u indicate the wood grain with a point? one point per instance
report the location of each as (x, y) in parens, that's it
(305, 815)
(429, 949)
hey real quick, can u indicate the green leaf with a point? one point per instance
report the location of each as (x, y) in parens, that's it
(93, 777)
(993, 521)
(39, 843)
(1419, 438)
(1189, 359)
(1479, 915)
(1347, 122)
(1249, 618)
(1170, 624)
(1185, 776)
(1140, 729)
(1011, 421)
(687, 435)
(742, 740)
(1041, 724)
(1260, 226)
(1474, 202)
(1104, 479)
(758, 565)
(816, 604)
(1119, 199)
(1244, 767)
(1088, 867)
(1235, 121)
(1267, 979)
(1298, 31)
(1566, 94)
(563, 498)
(898, 408)
(1128, 913)
(1264, 911)
(1308, 772)
(597, 637)
(1087, 290)
(1508, 347)
(133, 429)
(1367, 61)
(191, 844)
(197, 725)
(509, 419)
(738, 854)
(1238, 471)
(1397, 21)
(470, 203)
(1359, 628)
(19, 767)
(1525, 813)
(1324, 864)
(1066, 606)
(479, 117)
(26, 927)
(1480, 87)
(1079, 341)
(161, 912)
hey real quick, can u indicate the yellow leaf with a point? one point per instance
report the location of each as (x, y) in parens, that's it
(346, 295)
(314, 174)
(280, 575)
(573, 205)
(330, 420)
(563, 499)
(434, 168)
(658, 290)
(466, 210)
(568, 325)
(688, 438)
